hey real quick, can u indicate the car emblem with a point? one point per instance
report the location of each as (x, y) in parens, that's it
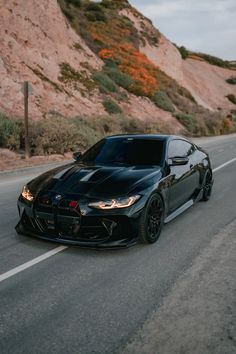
(58, 197)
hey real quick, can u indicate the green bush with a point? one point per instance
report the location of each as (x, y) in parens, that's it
(231, 98)
(56, 135)
(215, 60)
(67, 11)
(111, 106)
(106, 85)
(115, 4)
(94, 12)
(189, 121)
(68, 74)
(76, 3)
(231, 80)
(184, 52)
(111, 63)
(162, 101)
(74, 78)
(10, 131)
(93, 6)
(122, 80)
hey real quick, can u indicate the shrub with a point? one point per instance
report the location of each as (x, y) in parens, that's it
(183, 51)
(231, 98)
(56, 135)
(231, 80)
(115, 4)
(74, 78)
(227, 125)
(94, 12)
(162, 101)
(106, 85)
(10, 131)
(111, 106)
(122, 80)
(95, 16)
(189, 121)
(76, 3)
(212, 122)
(68, 74)
(215, 61)
(69, 8)
(93, 6)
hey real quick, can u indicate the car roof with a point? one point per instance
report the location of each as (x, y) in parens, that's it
(164, 137)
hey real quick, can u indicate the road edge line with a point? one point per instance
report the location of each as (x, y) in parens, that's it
(31, 263)
(224, 164)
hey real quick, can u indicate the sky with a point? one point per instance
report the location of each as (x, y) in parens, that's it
(207, 26)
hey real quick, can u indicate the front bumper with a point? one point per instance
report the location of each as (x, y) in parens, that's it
(96, 229)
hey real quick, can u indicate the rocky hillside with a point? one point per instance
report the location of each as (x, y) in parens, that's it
(88, 59)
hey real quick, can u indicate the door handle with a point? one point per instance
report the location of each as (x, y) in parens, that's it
(191, 166)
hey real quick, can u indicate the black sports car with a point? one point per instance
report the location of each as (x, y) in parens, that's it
(123, 189)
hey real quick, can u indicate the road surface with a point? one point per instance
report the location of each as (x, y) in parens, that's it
(71, 300)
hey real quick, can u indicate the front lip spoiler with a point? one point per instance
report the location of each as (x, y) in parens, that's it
(119, 244)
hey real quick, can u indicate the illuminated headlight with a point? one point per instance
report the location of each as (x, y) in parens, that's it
(118, 203)
(26, 194)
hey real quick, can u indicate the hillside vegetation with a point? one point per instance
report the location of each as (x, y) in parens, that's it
(115, 39)
(211, 59)
(58, 134)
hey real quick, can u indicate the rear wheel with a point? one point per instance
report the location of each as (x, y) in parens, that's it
(151, 221)
(207, 189)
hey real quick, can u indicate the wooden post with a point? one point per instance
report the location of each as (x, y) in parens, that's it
(26, 116)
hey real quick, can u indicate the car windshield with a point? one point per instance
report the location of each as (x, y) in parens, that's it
(127, 151)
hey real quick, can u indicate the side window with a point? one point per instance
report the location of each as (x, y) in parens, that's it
(180, 148)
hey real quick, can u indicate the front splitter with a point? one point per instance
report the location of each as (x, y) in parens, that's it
(118, 244)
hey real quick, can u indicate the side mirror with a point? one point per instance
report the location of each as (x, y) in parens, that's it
(77, 156)
(178, 161)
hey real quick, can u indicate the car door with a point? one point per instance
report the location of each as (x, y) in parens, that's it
(185, 178)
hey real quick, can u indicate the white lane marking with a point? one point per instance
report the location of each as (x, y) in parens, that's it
(224, 165)
(56, 250)
(31, 263)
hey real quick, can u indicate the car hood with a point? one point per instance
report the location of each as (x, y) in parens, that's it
(94, 181)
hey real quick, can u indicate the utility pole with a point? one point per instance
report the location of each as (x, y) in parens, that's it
(26, 118)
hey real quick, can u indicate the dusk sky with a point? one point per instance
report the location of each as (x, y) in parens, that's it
(205, 25)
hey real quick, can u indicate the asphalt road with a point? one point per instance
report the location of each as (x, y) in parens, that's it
(84, 301)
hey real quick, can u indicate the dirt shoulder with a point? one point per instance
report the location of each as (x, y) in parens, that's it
(199, 315)
(10, 160)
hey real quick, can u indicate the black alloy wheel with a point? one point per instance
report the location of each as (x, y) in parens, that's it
(152, 220)
(207, 189)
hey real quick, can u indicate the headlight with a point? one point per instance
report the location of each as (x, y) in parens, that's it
(26, 194)
(115, 203)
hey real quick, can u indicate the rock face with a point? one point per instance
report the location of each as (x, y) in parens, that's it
(207, 83)
(36, 39)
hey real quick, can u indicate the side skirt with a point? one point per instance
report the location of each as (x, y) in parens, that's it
(183, 207)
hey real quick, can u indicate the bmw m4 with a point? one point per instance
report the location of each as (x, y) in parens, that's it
(120, 191)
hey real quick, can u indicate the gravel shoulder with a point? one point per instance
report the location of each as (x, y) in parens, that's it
(199, 315)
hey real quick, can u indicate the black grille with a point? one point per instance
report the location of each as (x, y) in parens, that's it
(56, 219)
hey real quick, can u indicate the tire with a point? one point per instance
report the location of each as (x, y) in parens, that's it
(207, 189)
(151, 221)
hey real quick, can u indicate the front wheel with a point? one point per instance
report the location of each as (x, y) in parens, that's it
(207, 189)
(151, 221)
